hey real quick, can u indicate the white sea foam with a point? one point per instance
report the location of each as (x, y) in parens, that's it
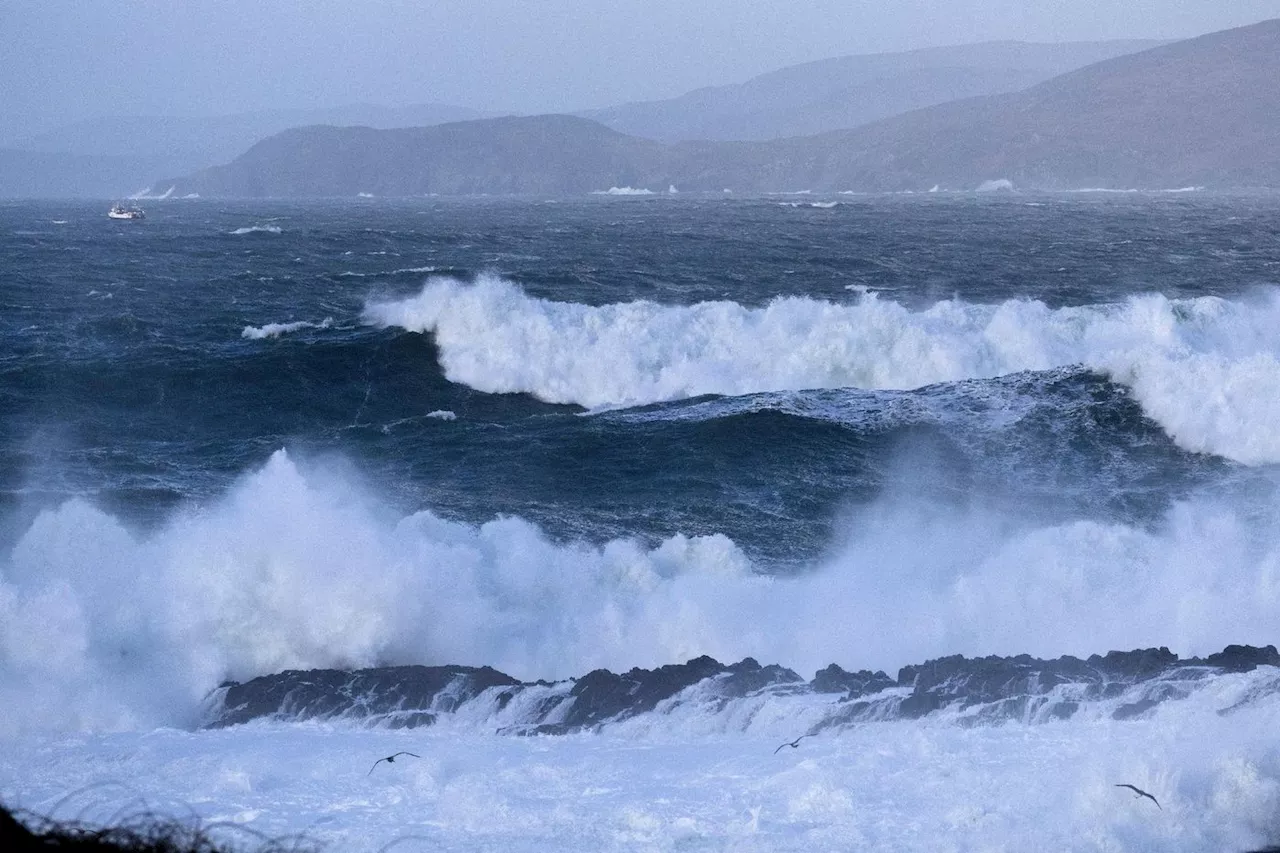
(1000, 185)
(258, 229)
(623, 191)
(102, 627)
(443, 415)
(275, 330)
(1207, 369)
(890, 787)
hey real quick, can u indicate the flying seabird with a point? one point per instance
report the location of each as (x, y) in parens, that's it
(1141, 793)
(391, 759)
(793, 744)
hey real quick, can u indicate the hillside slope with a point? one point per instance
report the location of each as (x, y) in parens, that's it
(849, 91)
(1203, 112)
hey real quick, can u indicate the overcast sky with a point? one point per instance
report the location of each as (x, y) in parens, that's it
(69, 59)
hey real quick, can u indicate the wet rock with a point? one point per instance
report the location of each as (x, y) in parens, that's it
(401, 694)
(1244, 658)
(833, 679)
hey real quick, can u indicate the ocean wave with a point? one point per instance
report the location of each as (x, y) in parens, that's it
(299, 567)
(623, 191)
(258, 229)
(275, 330)
(1207, 369)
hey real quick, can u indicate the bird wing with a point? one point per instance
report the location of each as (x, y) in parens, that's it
(779, 749)
(375, 764)
(1141, 793)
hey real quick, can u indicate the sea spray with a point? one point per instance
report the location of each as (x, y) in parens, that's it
(298, 567)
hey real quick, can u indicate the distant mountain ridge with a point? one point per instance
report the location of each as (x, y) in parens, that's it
(1200, 112)
(509, 156)
(849, 91)
(116, 155)
(1203, 112)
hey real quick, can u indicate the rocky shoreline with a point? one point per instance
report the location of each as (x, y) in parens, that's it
(973, 691)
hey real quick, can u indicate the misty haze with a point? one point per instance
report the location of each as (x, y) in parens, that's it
(641, 425)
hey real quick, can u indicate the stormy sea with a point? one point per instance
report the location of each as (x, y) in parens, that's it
(646, 522)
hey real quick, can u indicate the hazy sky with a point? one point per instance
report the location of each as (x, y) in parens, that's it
(69, 59)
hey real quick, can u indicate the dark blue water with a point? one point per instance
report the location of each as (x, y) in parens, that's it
(125, 375)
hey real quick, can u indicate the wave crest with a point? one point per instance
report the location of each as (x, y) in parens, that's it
(1207, 369)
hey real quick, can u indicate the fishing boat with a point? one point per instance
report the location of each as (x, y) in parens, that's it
(119, 211)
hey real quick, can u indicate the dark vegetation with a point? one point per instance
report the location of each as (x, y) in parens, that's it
(21, 832)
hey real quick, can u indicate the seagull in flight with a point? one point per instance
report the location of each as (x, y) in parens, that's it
(391, 759)
(1141, 793)
(793, 744)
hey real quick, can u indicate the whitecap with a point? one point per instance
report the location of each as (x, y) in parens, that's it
(275, 330)
(1207, 369)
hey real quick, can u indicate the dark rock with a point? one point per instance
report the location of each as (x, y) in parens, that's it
(747, 677)
(978, 691)
(366, 693)
(601, 695)
(1134, 665)
(989, 679)
(918, 704)
(833, 679)
(1244, 658)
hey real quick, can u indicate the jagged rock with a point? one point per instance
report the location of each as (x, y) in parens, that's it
(1137, 664)
(1244, 658)
(747, 677)
(990, 679)
(833, 679)
(601, 695)
(978, 691)
(407, 691)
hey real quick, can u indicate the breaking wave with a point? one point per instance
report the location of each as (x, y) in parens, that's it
(299, 567)
(258, 229)
(1207, 369)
